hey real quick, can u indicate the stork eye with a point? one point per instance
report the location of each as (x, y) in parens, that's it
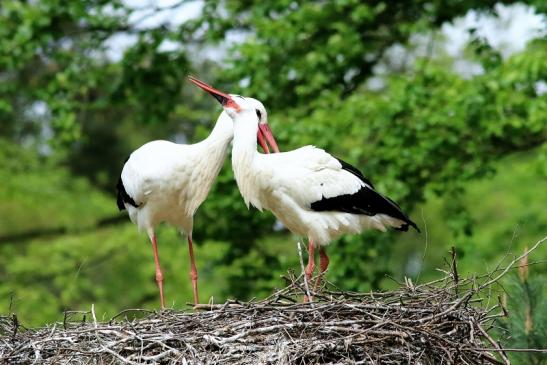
(258, 114)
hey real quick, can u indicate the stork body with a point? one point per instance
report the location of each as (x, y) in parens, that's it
(311, 192)
(167, 182)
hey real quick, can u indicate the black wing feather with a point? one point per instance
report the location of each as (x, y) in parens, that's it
(355, 171)
(123, 197)
(365, 201)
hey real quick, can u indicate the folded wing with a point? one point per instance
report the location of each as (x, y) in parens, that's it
(320, 182)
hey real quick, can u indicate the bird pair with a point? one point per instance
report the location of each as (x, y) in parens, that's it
(311, 192)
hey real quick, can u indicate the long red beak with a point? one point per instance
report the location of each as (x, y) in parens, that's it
(224, 99)
(264, 135)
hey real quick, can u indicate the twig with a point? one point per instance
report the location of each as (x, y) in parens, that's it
(454, 265)
(447, 320)
(508, 267)
(494, 343)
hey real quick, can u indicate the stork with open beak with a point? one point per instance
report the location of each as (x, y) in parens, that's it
(311, 192)
(166, 182)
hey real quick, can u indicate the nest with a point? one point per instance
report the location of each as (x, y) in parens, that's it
(416, 324)
(442, 322)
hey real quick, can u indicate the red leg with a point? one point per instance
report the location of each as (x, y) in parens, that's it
(323, 265)
(159, 274)
(310, 267)
(193, 270)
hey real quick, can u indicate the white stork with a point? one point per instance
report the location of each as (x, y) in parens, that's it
(167, 182)
(311, 192)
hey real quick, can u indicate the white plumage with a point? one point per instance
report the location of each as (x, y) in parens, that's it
(319, 176)
(311, 192)
(167, 182)
(288, 183)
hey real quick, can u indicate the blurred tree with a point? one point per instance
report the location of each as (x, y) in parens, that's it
(425, 131)
(61, 87)
(313, 47)
(525, 327)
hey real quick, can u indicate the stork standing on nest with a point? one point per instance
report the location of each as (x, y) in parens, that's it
(311, 192)
(167, 182)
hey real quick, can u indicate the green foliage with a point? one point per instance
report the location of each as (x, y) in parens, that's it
(507, 210)
(112, 268)
(429, 138)
(151, 80)
(526, 325)
(54, 56)
(36, 194)
(44, 52)
(311, 47)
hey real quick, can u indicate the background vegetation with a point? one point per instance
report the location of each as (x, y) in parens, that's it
(457, 138)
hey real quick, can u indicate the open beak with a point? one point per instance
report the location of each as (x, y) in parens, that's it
(265, 138)
(264, 135)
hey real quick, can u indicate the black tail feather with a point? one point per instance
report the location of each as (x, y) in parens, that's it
(123, 197)
(404, 227)
(365, 201)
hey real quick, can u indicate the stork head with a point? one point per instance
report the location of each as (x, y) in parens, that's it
(235, 104)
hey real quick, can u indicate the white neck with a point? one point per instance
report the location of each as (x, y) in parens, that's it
(222, 132)
(215, 146)
(213, 151)
(243, 156)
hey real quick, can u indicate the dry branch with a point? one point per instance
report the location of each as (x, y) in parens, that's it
(339, 328)
(442, 322)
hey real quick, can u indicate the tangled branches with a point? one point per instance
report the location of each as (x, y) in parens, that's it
(442, 322)
(414, 324)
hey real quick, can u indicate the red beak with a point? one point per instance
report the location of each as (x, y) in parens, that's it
(264, 135)
(224, 99)
(262, 141)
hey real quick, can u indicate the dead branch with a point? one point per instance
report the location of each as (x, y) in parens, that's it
(444, 321)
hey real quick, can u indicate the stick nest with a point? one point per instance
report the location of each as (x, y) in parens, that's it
(435, 323)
